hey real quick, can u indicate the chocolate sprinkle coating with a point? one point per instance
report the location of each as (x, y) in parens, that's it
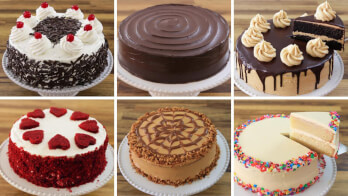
(55, 74)
(57, 27)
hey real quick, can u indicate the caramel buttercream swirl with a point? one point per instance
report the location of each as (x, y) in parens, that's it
(264, 51)
(251, 37)
(291, 55)
(260, 23)
(281, 20)
(317, 48)
(325, 12)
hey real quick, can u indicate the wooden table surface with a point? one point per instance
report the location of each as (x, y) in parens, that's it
(127, 7)
(246, 9)
(9, 12)
(102, 110)
(251, 109)
(217, 110)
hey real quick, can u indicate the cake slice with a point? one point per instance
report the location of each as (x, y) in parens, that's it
(316, 130)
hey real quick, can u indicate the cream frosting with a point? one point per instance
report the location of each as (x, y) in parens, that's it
(264, 51)
(281, 20)
(88, 37)
(77, 14)
(304, 14)
(39, 46)
(291, 55)
(51, 125)
(30, 22)
(260, 23)
(251, 37)
(42, 13)
(72, 48)
(96, 24)
(325, 12)
(317, 48)
(20, 34)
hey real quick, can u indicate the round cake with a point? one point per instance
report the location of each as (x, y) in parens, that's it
(57, 147)
(55, 50)
(268, 162)
(174, 43)
(173, 146)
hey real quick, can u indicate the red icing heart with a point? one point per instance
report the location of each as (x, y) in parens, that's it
(38, 113)
(28, 123)
(35, 137)
(90, 126)
(59, 141)
(84, 140)
(79, 116)
(58, 112)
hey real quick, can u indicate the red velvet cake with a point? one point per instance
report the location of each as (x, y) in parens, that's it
(57, 147)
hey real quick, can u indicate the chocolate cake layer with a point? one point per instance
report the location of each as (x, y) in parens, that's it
(174, 43)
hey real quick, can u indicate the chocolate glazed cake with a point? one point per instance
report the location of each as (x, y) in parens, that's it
(174, 43)
(275, 77)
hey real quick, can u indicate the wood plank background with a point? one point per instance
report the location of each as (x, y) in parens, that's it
(9, 12)
(11, 110)
(251, 109)
(246, 9)
(217, 110)
(127, 7)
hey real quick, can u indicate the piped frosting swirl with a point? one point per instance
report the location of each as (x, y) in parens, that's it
(291, 55)
(87, 36)
(96, 24)
(317, 48)
(251, 37)
(325, 12)
(30, 22)
(264, 51)
(72, 13)
(19, 34)
(260, 23)
(39, 46)
(42, 13)
(281, 20)
(71, 47)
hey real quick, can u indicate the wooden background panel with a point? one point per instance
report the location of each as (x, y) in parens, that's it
(251, 109)
(11, 110)
(127, 7)
(246, 9)
(128, 111)
(10, 10)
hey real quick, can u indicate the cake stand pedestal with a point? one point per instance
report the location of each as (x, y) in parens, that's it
(68, 91)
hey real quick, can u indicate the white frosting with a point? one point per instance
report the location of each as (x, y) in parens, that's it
(20, 34)
(96, 24)
(71, 48)
(51, 126)
(77, 14)
(30, 22)
(88, 37)
(42, 13)
(39, 47)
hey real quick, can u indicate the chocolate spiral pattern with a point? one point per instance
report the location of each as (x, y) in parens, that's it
(174, 132)
(173, 29)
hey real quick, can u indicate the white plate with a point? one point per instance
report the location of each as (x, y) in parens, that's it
(68, 91)
(319, 188)
(149, 187)
(20, 183)
(337, 75)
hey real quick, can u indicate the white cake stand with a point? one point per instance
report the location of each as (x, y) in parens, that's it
(337, 75)
(20, 183)
(149, 187)
(68, 91)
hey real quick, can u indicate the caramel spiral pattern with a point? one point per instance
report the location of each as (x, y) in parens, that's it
(174, 29)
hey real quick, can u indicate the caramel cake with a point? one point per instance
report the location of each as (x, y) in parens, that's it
(174, 43)
(173, 146)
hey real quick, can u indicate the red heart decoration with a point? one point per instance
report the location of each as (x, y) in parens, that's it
(35, 137)
(58, 112)
(28, 123)
(90, 126)
(59, 141)
(84, 140)
(38, 113)
(79, 116)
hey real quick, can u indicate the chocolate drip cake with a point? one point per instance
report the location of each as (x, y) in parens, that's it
(174, 43)
(55, 50)
(173, 146)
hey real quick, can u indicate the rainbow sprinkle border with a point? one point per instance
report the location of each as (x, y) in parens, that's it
(334, 124)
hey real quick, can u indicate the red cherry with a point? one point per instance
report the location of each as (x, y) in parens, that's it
(26, 14)
(37, 35)
(20, 24)
(44, 5)
(91, 17)
(88, 27)
(75, 7)
(70, 38)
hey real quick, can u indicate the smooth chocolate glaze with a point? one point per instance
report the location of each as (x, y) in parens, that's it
(174, 43)
(280, 38)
